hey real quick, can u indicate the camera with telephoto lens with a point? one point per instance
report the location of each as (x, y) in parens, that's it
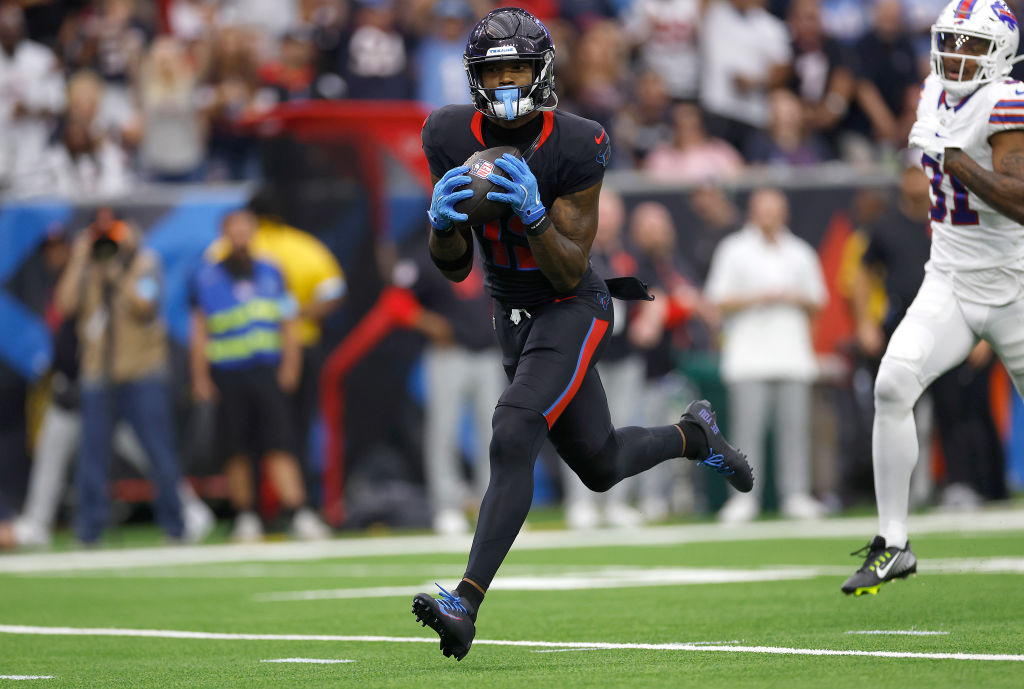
(107, 234)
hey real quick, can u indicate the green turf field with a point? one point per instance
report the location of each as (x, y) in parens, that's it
(675, 606)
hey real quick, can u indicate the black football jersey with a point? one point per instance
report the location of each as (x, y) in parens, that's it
(570, 155)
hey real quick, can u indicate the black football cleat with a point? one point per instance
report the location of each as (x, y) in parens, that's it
(449, 617)
(722, 457)
(881, 565)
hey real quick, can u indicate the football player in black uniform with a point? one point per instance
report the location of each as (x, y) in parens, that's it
(552, 314)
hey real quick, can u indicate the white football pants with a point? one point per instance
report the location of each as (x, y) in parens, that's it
(937, 334)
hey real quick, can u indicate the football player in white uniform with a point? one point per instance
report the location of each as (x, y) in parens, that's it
(970, 128)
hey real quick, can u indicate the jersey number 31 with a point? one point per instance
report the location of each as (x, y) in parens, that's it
(962, 213)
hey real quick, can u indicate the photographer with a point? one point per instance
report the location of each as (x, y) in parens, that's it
(112, 286)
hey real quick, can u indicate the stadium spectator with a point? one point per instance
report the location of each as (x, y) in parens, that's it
(621, 369)
(191, 20)
(595, 88)
(82, 165)
(372, 56)
(882, 287)
(173, 146)
(31, 96)
(326, 19)
(463, 374)
(112, 119)
(290, 77)
(718, 217)
(230, 97)
(919, 16)
(823, 72)
(660, 330)
(888, 79)
(112, 286)
(664, 34)
(584, 13)
(693, 156)
(110, 39)
(846, 20)
(746, 53)
(246, 353)
(440, 76)
(266, 21)
(644, 122)
(44, 19)
(971, 445)
(787, 141)
(768, 284)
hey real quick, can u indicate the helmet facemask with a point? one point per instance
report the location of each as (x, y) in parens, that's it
(963, 49)
(511, 102)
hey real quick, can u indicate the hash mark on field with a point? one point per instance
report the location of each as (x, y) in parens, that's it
(769, 650)
(898, 632)
(317, 661)
(26, 676)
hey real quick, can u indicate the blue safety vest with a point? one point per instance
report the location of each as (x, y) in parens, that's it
(243, 315)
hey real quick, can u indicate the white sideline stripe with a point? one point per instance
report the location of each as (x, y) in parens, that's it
(899, 632)
(26, 676)
(637, 577)
(576, 581)
(770, 650)
(315, 661)
(859, 528)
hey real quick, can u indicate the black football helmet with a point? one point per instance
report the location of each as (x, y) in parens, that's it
(511, 33)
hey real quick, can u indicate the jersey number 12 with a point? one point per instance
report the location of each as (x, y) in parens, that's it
(962, 213)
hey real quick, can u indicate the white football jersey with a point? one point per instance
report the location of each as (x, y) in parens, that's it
(982, 248)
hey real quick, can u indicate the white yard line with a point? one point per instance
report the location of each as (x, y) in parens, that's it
(26, 676)
(898, 632)
(859, 529)
(769, 650)
(314, 661)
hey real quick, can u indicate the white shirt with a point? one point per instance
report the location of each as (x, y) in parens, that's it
(773, 341)
(102, 175)
(30, 76)
(980, 248)
(666, 32)
(740, 43)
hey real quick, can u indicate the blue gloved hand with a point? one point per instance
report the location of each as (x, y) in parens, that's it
(442, 212)
(523, 195)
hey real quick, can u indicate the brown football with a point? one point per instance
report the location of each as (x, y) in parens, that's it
(480, 209)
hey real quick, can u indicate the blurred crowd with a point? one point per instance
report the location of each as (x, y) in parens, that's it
(734, 321)
(101, 94)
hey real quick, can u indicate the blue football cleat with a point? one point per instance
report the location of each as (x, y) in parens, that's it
(722, 457)
(450, 618)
